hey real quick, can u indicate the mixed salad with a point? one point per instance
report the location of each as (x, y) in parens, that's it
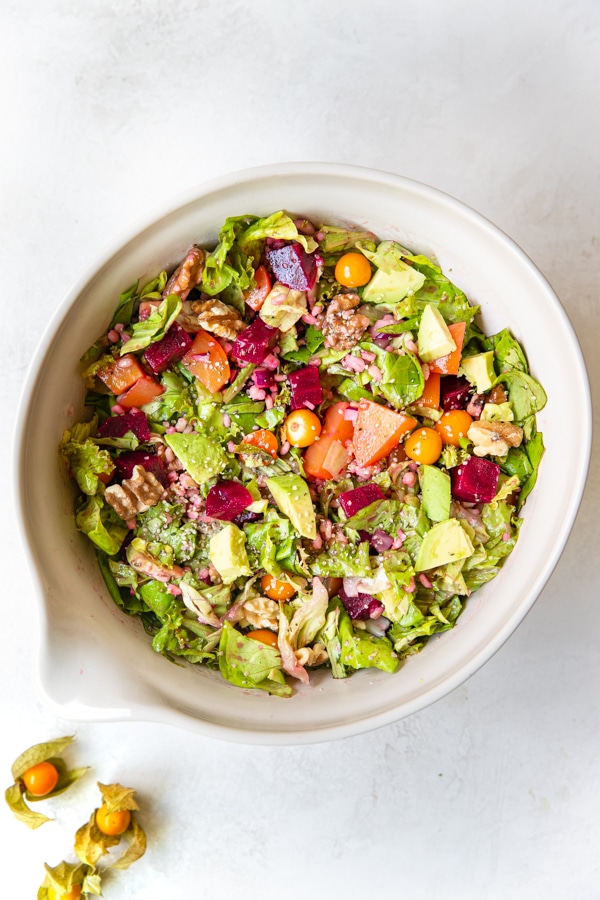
(303, 451)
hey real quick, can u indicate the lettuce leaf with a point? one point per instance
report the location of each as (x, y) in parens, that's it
(177, 400)
(155, 327)
(361, 650)
(338, 240)
(342, 560)
(527, 398)
(100, 523)
(228, 266)
(278, 226)
(250, 664)
(269, 543)
(384, 514)
(85, 459)
(402, 379)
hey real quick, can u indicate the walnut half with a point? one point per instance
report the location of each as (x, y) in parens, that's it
(342, 325)
(218, 318)
(261, 612)
(134, 495)
(311, 656)
(494, 438)
(187, 275)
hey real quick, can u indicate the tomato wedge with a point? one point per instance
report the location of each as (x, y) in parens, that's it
(207, 360)
(121, 374)
(431, 392)
(448, 365)
(258, 294)
(143, 391)
(377, 431)
(336, 425)
(315, 456)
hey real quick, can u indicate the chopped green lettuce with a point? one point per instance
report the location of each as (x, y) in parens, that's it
(342, 560)
(361, 650)
(155, 327)
(101, 524)
(84, 457)
(251, 664)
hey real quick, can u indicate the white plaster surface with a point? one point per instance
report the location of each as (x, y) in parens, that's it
(108, 109)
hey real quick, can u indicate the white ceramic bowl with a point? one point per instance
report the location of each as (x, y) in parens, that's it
(94, 663)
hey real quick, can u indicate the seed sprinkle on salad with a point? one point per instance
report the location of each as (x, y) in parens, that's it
(303, 451)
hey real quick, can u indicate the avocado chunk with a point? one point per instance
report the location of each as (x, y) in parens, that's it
(393, 286)
(435, 493)
(291, 494)
(201, 457)
(445, 542)
(479, 370)
(283, 307)
(434, 338)
(227, 551)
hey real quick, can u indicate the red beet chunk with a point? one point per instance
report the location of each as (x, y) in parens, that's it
(293, 266)
(173, 347)
(226, 500)
(126, 462)
(306, 388)
(363, 606)
(475, 481)
(355, 500)
(455, 392)
(254, 343)
(134, 420)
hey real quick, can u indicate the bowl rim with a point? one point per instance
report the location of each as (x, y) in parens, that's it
(99, 261)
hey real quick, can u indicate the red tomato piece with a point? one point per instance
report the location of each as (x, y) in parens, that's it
(377, 431)
(207, 360)
(143, 391)
(258, 294)
(121, 374)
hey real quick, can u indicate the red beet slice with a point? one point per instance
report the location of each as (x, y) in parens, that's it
(475, 481)
(455, 392)
(355, 500)
(173, 347)
(254, 343)
(126, 462)
(306, 390)
(293, 266)
(263, 379)
(226, 500)
(363, 606)
(134, 420)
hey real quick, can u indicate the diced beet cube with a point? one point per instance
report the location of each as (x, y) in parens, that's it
(455, 392)
(381, 541)
(226, 500)
(306, 390)
(362, 606)
(475, 481)
(255, 342)
(293, 266)
(133, 420)
(162, 354)
(356, 499)
(263, 379)
(126, 462)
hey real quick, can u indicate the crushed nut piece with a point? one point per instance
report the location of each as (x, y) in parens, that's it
(497, 395)
(494, 438)
(311, 656)
(261, 612)
(187, 275)
(134, 495)
(342, 326)
(218, 318)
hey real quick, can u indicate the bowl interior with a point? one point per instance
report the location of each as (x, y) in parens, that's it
(96, 663)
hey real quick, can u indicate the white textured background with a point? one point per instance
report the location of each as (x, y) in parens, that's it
(110, 108)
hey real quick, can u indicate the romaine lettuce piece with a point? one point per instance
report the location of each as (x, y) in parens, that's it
(100, 523)
(155, 327)
(250, 664)
(361, 650)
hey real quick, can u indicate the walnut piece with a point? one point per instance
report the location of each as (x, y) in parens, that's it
(187, 275)
(261, 612)
(218, 318)
(342, 326)
(494, 438)
(134, 495)
(311, 656)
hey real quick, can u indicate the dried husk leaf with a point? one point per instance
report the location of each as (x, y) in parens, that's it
(16, 803)
(117, 797)
(66, 777)
(91, 843)
(39, 753)
(136, 836)
(62, 878)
